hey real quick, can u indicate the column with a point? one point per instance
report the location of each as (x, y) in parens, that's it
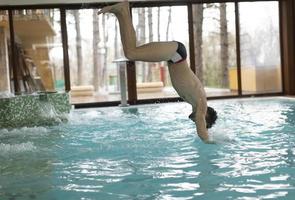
(4, 64)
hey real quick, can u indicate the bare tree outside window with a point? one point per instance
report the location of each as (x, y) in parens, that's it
(76, 15)
(213, 41)
(96, 58)
(98, 45)
(198, 10)
(224, 58)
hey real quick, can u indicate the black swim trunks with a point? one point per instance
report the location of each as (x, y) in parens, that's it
(179, 55)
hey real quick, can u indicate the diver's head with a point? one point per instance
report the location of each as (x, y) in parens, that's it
(211, 117)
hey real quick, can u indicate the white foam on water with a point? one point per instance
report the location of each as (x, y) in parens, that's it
(23, 131)
(16, 148)
(84, 117)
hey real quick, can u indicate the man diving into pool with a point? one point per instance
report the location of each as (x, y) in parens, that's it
(184, 81)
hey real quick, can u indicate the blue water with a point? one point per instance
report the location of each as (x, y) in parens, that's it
(153, 152)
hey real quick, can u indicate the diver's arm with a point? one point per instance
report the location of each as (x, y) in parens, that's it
(200, 119)
(201, 127)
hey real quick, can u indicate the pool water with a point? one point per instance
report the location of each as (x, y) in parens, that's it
(153, 152)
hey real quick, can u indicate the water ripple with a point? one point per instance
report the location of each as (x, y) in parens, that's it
(153, 152)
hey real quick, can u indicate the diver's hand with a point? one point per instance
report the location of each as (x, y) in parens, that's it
(209, 142)
(206, 139)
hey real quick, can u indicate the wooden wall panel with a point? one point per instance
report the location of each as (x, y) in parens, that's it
(287, 14)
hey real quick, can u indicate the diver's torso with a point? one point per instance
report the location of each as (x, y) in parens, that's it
(186, 83)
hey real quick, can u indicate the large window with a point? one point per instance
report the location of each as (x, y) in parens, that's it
(158, 24)
(215, 47)
(94, 46)
(260, 47)
(38, 50)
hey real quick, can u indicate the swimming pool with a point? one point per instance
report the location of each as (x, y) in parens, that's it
(152, 152)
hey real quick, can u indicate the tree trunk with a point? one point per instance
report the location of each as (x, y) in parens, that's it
(141, 37)
(96, 40)
(198, 11)
(168, 23)
(116, 49)
(150, 22)
(159, 23)
(104, 82)
(78, 47)
(223, 45)
(165, 73)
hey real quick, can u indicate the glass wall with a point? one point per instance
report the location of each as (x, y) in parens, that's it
(260, 47)
(215, 47)
(38, 48)
(94, 46)
(5, 87)
(158, 24)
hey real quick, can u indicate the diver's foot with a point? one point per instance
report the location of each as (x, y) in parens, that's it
(116, 8)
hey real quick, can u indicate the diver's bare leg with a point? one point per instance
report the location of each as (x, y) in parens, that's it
(150, 52)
